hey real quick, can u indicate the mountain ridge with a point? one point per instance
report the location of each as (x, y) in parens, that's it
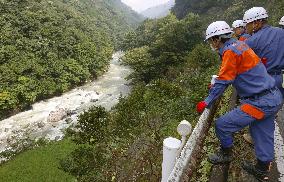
(158, 11)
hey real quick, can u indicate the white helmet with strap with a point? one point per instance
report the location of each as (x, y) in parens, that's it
(238, 23)
(217, 28)
(255, 13)
(281, 22)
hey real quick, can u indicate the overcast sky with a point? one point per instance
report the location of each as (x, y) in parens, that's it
(140, 5)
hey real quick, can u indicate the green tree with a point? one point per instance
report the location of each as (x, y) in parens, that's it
(48, 47)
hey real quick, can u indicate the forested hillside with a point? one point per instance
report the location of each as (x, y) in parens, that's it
(227, 10)
(48, 47)
(172, 68)
(183, 7)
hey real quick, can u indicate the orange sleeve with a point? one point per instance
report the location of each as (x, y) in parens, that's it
(249, 61)
(228, 70)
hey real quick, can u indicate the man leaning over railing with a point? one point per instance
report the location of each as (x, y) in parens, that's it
(260, 99)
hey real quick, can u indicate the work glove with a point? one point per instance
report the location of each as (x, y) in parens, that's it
(201, 106)
(264, 61)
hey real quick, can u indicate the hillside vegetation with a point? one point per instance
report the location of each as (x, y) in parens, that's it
(228, 10)
(48, 47)
(172, 68)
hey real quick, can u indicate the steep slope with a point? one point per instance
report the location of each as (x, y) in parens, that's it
(183, 7)
(112, 16)
(48, 47)
(158, 11)
(228, 10)
(131, 17)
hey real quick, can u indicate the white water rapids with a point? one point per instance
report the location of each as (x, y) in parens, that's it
(34, 123)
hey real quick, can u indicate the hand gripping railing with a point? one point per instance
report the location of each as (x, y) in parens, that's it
(187, 161)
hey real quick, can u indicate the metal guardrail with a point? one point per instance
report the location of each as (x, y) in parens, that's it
(219, 173)
(187, 161)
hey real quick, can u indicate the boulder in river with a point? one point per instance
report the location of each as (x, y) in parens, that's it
(71, 112)
(94, 100)
(40, 124)
(55, 116)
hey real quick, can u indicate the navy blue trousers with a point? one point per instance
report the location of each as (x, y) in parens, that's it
(278, 82)
(262, 131)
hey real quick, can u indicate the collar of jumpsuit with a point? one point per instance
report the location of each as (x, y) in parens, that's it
(227, 43)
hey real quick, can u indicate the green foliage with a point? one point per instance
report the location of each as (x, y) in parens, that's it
(177, 38)
(38, 164)
(166, 43)
(87, 162)
(7, 101)
(49, 47)
(141, 62)
(146, 33)
(167, 82)
(93, 126)
(228, 10)
(183, 7)
(201, 57)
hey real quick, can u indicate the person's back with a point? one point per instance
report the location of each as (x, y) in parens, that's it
(267, 42)
(242, 64)
(252, 77)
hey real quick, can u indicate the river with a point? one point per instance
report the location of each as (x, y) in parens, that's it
(36, 123)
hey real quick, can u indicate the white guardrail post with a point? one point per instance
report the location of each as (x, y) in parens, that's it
(172, 148)
(188, 150)
(178, 157)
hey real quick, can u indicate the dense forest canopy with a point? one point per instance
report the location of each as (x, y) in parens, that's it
(48, 47)
(227, 10)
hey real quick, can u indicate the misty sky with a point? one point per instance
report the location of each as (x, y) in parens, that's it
(140, 5)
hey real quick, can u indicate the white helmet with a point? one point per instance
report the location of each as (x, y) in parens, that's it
(217, 28)
(255, 13)
(281, 22)
(238, 23)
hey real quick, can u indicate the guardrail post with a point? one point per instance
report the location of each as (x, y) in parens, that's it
(170, 151)
(172, 148)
